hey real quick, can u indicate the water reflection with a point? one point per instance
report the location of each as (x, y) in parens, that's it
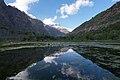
(106, 58)
(64, 65)
(14, 61)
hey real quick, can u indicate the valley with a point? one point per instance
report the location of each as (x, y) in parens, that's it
(34, 49)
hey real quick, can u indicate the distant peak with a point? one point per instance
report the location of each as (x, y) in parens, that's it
(2, 3)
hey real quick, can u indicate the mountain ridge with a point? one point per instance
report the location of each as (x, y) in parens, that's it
(108, 19)
(17, 25)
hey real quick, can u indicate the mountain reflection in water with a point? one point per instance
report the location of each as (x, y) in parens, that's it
(64, 65)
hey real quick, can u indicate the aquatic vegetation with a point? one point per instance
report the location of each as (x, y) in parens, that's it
(107, 58)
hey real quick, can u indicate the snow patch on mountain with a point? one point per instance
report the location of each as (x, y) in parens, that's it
(51, 22)
(58, 27)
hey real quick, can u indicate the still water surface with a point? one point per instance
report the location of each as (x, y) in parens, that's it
(62, 64)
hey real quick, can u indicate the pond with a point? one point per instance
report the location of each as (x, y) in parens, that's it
(51, 63)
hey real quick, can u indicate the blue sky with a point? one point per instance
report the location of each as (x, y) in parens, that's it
(68, 13)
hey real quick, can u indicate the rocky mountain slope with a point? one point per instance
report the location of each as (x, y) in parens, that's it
(16, 25)
(104, 26)
(58, 27)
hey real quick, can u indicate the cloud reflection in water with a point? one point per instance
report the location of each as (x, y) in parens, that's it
(62, 65)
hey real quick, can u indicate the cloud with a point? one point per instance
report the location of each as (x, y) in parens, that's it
(23, 5)
(63, 16)
(50, 21)
(73, 8)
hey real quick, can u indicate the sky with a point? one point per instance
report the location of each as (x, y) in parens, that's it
(68, 13)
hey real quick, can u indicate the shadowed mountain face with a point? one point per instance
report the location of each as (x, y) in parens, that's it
(2, 3)
(15, 25)
(105, 25)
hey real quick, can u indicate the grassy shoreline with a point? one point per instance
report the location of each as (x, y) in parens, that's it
(20, 45)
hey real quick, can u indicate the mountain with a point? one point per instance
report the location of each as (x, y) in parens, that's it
(59, 27)
(104, 26)
(16, 25)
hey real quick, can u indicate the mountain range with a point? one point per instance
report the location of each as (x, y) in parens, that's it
(17, 25)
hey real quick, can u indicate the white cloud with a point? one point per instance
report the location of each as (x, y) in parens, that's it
(30, 15)
(73, 8)
(50, 59)
(63, 16)
(23, 5)
(50, 21)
